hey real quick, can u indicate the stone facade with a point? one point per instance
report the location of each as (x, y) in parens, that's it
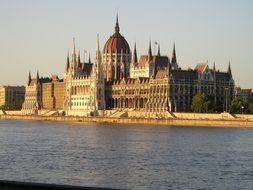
(53, 94)
(84, 95)
(12, 95)
(153, 86)
(33, 95)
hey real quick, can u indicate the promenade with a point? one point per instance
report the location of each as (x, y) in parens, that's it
(191, 120)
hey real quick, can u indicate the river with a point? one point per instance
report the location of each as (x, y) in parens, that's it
(126, 156)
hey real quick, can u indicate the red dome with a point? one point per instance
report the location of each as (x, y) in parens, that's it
(116, 43)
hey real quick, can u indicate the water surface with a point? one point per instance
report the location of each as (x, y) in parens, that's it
(126, 157)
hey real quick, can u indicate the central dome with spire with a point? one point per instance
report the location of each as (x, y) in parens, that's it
(116, 43)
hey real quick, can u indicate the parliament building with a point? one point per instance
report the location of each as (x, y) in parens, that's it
(119, 83)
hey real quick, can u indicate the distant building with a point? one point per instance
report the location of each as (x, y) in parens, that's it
(12, 95)
(33, 95)
(117, 81)
(84, 95)
(53, 94)
(157, 85)
(184, 84)
(244, 94)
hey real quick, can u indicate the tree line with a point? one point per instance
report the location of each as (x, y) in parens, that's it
(201, 103)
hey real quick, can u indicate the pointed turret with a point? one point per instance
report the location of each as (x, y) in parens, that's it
(37, 77)
(79, 59)
(89, 61)
(97, 62)
(174, 64)
(135, 58)
(214, 69)
(67, 63)
(74, 47)
(229, 69)
(214, 72)
(29, 78)
(73, 56)
(174, 56)
(158, 52)
(149, 51)
(117, 24)
(99, 99)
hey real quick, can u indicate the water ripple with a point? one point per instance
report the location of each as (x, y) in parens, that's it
(126, 157)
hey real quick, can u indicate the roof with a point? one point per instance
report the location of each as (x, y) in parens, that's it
(54, 78)
(222, 76)
(160, 61)
(143, 60)
(116, 43)
(184, 74)
(200, 68)
(87, 68)
(160, 74)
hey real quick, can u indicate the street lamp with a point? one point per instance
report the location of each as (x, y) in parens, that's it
(242, 109)
(226, 94)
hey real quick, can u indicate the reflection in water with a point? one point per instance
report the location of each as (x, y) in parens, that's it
(127, 157)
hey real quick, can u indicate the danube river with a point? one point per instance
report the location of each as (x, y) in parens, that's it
(126, 157)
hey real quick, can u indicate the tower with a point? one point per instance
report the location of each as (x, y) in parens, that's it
(229, 70)
(29, 78)
(149, 52)
(174, 64)
(115, 53)
(99, 86)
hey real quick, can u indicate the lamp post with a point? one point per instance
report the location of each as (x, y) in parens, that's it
(242, 109)
(226, 94)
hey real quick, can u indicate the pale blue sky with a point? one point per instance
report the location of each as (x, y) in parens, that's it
(37, 34)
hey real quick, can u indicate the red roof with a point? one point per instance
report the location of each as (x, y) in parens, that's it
(116, 43)
(200, 68)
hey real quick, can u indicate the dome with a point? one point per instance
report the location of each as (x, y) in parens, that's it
(116, 43)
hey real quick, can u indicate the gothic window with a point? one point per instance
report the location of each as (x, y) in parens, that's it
(99, 92)
(113, 72)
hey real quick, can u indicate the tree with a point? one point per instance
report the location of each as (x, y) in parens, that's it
(200, 103)
(236, 105)
(11, 107)
(250, 107)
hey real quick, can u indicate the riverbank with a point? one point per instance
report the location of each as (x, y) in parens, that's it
(236, 122)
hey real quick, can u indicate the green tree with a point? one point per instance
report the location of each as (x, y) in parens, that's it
(200, 103)
(236, 105)
(11, 107)
(250, 107)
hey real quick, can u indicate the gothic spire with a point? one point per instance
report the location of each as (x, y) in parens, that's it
(67, 63)
(135, 59)
(117, 24)
(98, 55)
(97, 43)
(98, 69)
(73, 56)
(37, 77)
(149, 51)
(29, 78)
(74, 47)
(158, 53)
(174, 56)
(214, 69)
(79, 59)
(229, 69)
(89, 59)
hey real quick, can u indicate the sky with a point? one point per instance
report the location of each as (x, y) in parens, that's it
(36, 35)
